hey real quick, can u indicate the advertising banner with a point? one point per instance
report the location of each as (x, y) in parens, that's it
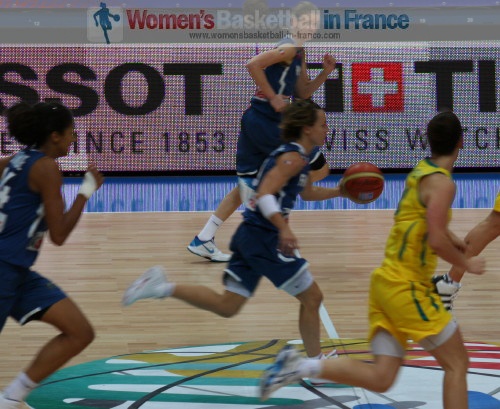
(177, 107)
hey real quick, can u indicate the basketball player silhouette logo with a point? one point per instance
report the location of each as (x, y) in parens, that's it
(104, 14)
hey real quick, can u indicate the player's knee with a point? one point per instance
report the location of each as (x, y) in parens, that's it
(316, 296)
(229, 310)
(228, 313)
(459, 364)
(382, 384)
(464, 363)
(318, 299)
(313, 299)
(88, 336)
(82, 336)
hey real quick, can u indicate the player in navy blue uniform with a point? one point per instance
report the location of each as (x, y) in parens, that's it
(30, 204)
(264, 244)
(279, 75)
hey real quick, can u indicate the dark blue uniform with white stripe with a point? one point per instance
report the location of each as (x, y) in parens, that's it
(21, 212)
(255, 243)
(22, 226)
(288, 195)
(260, 133)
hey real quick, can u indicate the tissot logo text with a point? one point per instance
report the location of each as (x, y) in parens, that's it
(375, 86)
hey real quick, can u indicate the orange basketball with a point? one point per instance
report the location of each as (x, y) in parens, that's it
(362, 182)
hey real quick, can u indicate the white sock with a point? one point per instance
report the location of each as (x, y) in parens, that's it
(19, 388)
(310, 368)
(208, 232)
(165, 290)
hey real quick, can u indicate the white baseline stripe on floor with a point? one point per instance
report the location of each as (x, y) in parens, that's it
(327, 322)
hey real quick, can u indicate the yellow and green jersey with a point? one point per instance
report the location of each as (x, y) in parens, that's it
(407, 251)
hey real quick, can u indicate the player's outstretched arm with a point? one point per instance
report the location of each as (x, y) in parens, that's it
(477, 239)
(316, 193)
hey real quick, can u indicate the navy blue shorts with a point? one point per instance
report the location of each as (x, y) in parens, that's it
(24, 293)
(259, 136)
(255, 255)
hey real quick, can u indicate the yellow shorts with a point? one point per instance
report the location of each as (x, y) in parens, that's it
(406, 309)
(496, 208)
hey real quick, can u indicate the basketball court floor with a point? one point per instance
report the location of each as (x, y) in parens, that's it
(160, 354)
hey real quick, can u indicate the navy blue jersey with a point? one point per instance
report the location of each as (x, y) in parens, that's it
(282, 78)
(259, 137)
(287, 196)
(22, 223)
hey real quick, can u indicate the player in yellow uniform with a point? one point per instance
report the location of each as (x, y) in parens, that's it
(408, 265)
(403, 303)
(477, 239)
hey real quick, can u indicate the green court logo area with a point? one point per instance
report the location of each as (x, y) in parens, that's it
(227, 376)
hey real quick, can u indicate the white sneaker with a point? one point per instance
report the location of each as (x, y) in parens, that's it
(447, 289)
(208, 250)
(146, 286)
(320, 382)
(9, 403)
(284, 371)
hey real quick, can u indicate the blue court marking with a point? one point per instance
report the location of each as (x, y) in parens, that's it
(479, 400)
(163, 194)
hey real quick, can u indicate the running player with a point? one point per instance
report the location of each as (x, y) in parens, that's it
(30, 204)
(264, 244)
(402, 302)
(279, 75)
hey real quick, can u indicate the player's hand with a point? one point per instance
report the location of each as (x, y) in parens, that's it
(341, 188)
(287, 242)
(279, 102)
(92, 180)
(475, 265)
(98, 176)
(457, 242)
(328, 63)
